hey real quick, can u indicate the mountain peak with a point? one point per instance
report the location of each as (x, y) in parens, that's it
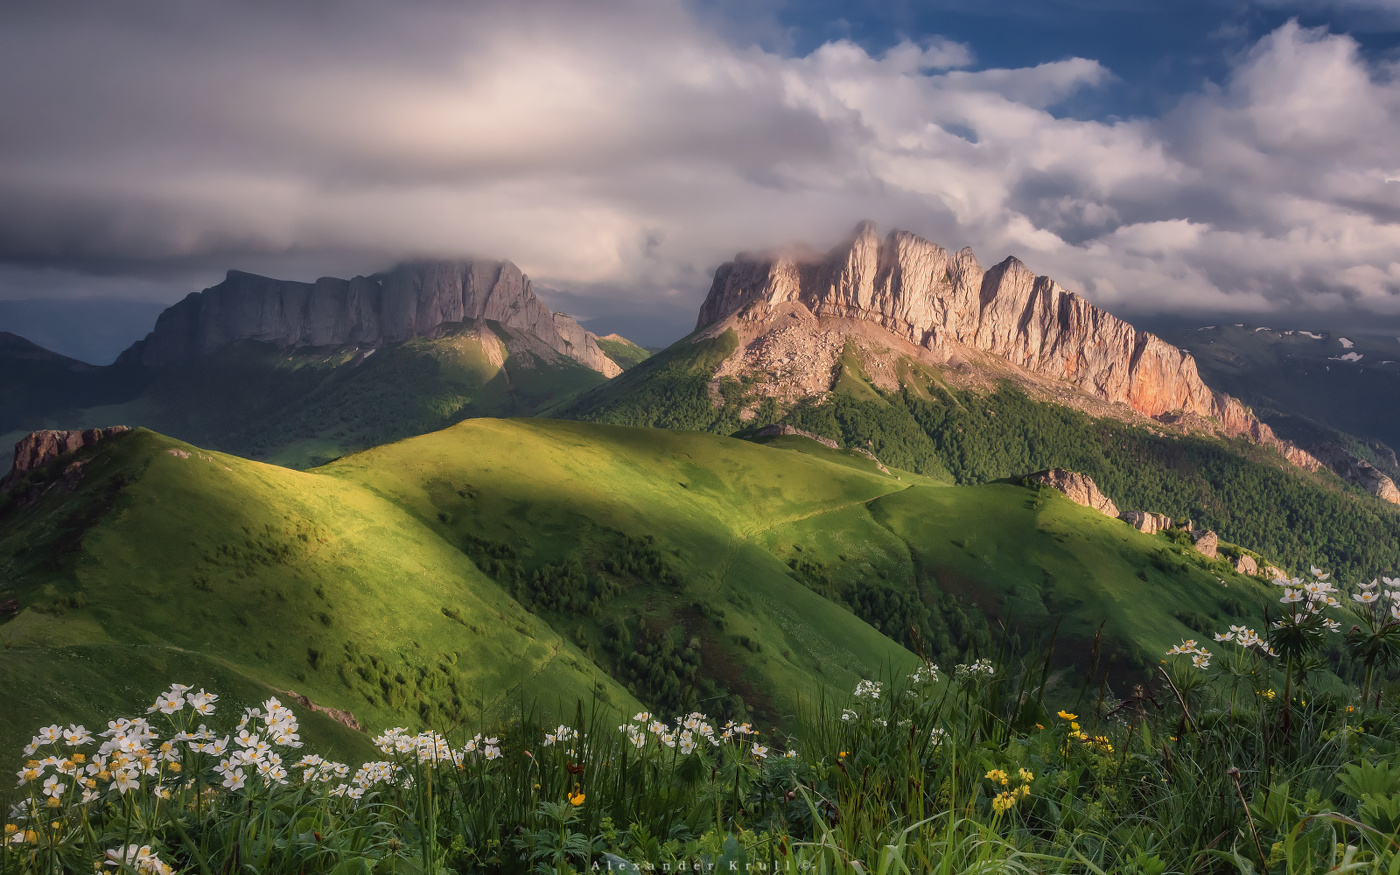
(947, 308)
(411, 299)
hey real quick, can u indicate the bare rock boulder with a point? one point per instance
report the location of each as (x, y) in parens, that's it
(1246, 565)
(1146, 521)
(1079, 488)
(1207, 542)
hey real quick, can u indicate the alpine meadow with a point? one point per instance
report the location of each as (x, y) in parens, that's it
(851, 554)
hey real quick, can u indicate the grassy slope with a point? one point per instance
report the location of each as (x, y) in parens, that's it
(253, 567)
(622, 351)
(1245, 493)
(303, 408)
(565, 490)
(214, 570)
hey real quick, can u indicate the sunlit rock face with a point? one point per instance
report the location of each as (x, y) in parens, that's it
(411, 300)
(939, 300)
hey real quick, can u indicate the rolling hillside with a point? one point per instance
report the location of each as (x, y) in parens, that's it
(449, 578)
(304, 407)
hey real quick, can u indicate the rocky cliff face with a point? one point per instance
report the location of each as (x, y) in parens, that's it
(411, 300)
(945, 302)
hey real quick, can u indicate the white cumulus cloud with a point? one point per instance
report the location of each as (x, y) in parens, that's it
(619, 151)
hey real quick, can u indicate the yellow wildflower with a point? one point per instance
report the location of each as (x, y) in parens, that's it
(841, 755)
(1027, 776)
(1065, 715)
(1004, 802)
(53, 802)
(998, 776)
(11, 829)
(576, 798)
(174, 767)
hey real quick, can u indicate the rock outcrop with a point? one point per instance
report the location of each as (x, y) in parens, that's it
(938, 300)
(1358, 471)
(1207, 543)
(40, 448)
(780, 430)
(1246, 565)
(1146, 521)
(1079, 488)
(411, 300)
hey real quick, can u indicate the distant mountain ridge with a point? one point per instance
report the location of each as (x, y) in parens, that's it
(948, 305)
(412, 299)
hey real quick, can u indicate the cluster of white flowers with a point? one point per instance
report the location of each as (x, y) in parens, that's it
(425, 747)
(924, 674)
(317, 770)
(936, 735)
(138, 858)
(689, 733)
(869, 690)
(1244, 637)
(1200, 657)
(487, 747)
(1313, 597)
(366, 777)
(252, 752)
(430, 748)
(1371, 595)
(563, 735)
(980, 668)
(131, 753)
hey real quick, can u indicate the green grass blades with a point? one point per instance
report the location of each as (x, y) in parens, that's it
(925, 772)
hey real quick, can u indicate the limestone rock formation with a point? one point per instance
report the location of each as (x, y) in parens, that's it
(1079, 488)
(937, 300)
(1147, 522)
(1358, 471)
(1272, 572)
(779, 430)
(410, 300)
(1246, 565)
(1207, 542)
(39, 448)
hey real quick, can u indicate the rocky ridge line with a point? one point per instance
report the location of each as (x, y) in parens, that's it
(410, 300)
(38, 449)
(946, 302)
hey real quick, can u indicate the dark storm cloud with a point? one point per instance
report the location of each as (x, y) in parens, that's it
(619, 151)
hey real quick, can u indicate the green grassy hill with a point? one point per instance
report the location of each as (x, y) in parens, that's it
(1247, 494)
(448, 578)
(622, 351)
(304, 407)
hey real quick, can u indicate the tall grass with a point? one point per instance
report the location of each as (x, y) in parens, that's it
(969, 772)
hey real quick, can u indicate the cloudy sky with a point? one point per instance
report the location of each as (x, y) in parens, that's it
(1162, 157)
